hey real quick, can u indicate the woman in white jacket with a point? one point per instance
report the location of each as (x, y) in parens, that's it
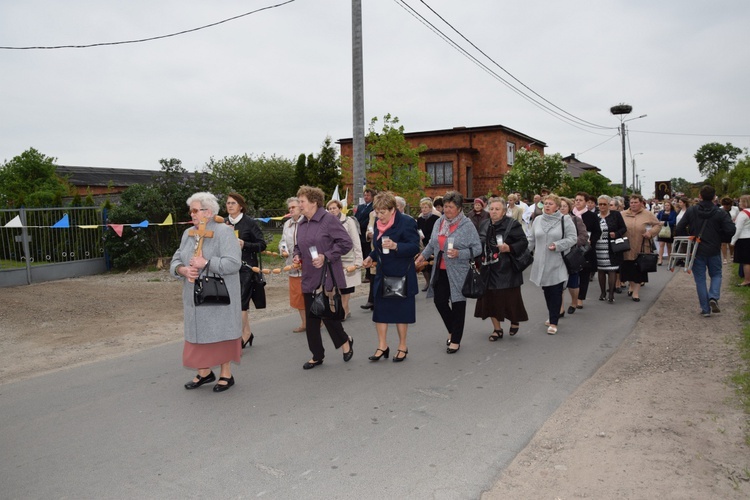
(741, 238)
(352, 261)
(548, 244)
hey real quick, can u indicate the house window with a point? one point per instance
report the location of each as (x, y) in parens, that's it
(511, 153)
(440, 173)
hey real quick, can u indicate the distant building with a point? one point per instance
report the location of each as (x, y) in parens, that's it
(470, 160)
(576, 167)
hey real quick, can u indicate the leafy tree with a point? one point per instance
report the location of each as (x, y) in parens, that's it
(327, 167)
(30, 179)
(714, 158)
(531, 172)
(166, 195)
(592, 183)
(680, 185)
(393, 164)
(738, 179)
(300, 171)
(265, 182)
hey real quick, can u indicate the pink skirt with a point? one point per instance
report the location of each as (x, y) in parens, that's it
(207, 355)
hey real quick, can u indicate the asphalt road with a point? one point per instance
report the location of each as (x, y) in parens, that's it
(435, 426)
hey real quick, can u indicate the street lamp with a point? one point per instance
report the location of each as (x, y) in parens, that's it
(635, 184)
(621, 110)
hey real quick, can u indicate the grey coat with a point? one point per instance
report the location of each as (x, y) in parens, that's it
(208, 324)
(548, 268)
(466, 241)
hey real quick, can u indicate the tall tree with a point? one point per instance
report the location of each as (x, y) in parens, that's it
(30, 179)
(328, 167)
(680, 185)
(301, 177)
(392, 163)
(714, 158)
(531, 172)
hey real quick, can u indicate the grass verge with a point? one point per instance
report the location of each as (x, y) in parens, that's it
(741, 379)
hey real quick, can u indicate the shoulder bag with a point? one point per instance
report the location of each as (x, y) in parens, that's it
(619, 245)
(210, 290)
(393, 287)
(519, 262)
(473, 287)
(258, 282)
(575, 259)
(325, 306)
(646, 262)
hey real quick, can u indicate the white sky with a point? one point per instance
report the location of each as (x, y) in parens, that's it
(279, 81)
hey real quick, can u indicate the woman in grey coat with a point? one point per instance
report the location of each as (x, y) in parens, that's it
(212, 333)
(548, 244)
(454, 242)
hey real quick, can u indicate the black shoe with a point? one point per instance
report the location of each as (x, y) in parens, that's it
(201, 380)
(369, 305)
(562, 315)
(383, 354)
(249, 341)
(348, 355)
(602, 297)
(714, 304)
(571, 310)
(514, 330)
(630, 293)
(636, 299)
(496, 335)
(223, 387)
(453, 351)
(396, 359)
(618, 290)
(311, 364)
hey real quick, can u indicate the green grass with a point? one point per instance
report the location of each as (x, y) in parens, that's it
(741, 379)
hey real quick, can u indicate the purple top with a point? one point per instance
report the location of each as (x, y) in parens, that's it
(325, 232)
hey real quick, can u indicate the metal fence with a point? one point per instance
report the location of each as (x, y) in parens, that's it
(37, 252)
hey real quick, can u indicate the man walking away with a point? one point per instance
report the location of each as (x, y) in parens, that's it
(712, 226)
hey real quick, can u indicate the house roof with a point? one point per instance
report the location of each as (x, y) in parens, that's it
(576, 167)
(464, 130)
(103, 176)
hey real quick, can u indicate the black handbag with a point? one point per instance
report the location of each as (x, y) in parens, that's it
(258, 294)
(619, 245)
(473, 284)
(575, 259)
(393, 287)
(646, 262)
(521, 262)
(210, 290)
(325, 306)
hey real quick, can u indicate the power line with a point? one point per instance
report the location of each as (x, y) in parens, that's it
(409, 9)
(150, 39)
(688, 134)
(584, 122)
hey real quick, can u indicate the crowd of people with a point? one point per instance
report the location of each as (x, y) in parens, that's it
(566, 242)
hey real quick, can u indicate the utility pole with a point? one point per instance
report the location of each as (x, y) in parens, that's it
(358, 105)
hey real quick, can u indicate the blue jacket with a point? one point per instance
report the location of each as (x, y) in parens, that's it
(398, 262)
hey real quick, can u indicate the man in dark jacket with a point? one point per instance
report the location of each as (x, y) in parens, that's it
(712, 226)
(362, 214)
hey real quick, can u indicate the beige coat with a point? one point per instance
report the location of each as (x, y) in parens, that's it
(637, 224)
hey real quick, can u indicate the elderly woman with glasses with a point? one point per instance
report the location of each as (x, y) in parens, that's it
(608, 262)
(286, 245)
(454, 242)
(212, 333)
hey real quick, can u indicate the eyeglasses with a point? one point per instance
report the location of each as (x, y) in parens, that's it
(231, 203)
(196, 210)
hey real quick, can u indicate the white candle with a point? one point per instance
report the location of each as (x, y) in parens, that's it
(386, 250)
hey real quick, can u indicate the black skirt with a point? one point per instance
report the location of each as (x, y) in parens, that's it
(629, 272)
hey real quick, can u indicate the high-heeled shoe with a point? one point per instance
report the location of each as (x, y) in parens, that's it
(249, 341)
(603, 297)
(450, 350)
(396, 359)
(311, 364)
(383, 354)
(514, 329)
(223, 387)
(496, 335)
(348, 355)
(194, 384)
(571, 310)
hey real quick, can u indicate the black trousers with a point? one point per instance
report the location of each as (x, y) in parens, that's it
(583, 289)
(553, 298)
(452, 313)
(314, 339)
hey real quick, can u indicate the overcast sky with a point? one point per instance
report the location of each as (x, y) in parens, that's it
(279, 81)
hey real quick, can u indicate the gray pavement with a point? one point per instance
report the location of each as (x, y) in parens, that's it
(435, 426)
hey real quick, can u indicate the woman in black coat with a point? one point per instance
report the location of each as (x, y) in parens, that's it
(501, 236)
(591, 221)
(608, 262)
(252, 242)
(425, 224)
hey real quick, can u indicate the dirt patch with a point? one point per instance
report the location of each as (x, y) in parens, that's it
(657, 420)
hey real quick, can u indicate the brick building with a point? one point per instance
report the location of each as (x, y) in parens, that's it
(470, 160)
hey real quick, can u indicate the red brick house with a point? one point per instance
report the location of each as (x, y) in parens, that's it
(470, 160)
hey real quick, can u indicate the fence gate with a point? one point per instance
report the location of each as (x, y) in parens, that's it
(45, 244)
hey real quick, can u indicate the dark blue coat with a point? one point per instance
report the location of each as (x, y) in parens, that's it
(401, 262)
